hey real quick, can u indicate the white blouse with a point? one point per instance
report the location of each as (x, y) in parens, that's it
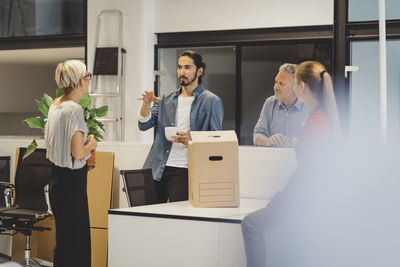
(62, 122)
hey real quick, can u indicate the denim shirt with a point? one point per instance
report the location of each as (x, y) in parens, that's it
(206, 114)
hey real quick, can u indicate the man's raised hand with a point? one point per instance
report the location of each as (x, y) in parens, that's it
(148, 97)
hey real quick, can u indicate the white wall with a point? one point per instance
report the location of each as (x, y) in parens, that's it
(143, 18)
(194, 15)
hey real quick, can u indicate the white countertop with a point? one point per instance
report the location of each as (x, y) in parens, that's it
(184, 210)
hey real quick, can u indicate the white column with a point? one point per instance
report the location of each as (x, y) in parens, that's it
(382, 63)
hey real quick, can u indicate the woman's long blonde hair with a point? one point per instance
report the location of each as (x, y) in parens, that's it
(314, 74)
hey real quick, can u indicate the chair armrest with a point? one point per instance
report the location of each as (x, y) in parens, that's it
(7, 185)
(8, 193)
(46, 195)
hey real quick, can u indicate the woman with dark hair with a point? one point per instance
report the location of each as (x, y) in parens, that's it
(68, 147)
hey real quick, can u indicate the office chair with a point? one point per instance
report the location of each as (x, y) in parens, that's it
(4, 177)
(139, 187)
(31, 203)
(5, 169)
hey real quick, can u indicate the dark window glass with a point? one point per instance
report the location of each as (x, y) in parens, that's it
(24, 18)
(260, 65)
(220, 76)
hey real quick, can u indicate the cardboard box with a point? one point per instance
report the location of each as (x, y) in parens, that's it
(213, 161)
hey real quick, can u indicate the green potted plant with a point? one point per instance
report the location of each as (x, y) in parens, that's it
(90, 114)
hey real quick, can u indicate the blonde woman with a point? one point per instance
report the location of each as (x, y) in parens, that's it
(68, 147)
(313, 86)
(271, 235)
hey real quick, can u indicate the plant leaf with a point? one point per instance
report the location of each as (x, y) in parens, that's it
(91, 124)
(100, 124)
(43, 108)
(32, 146)
(90, 115)
(93, 113)
(85, 101)
(47, 100)
(98, 135)
(102, 111)
(36, 122)
(59, 93)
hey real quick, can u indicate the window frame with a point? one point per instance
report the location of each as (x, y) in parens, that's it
(49, 41)
(344, 33)
(238, 39)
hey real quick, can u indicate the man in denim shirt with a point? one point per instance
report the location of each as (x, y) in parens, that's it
(282, 116)
(189, 108)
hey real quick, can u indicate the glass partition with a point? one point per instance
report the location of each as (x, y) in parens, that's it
(365, 90)
(260, 65)
(220, 76)
(369, 10)
(26, 18)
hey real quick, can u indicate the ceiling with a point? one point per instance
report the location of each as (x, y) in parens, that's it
(40, 56)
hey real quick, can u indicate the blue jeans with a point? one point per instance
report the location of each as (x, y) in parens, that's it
(253, 235)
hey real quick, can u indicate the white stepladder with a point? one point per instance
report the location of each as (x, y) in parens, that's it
(108, 72)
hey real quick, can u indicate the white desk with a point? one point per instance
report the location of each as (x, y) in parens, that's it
(176, 234)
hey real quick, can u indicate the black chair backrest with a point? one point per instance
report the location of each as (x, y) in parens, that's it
(31, 176)
(5, 169)
(139, 187)
(4, 177)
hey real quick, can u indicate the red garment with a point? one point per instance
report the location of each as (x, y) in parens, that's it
(315, 134)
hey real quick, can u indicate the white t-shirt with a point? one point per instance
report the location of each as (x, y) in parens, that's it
(62, 122)
(178, 155)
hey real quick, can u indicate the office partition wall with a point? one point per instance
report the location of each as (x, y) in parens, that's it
(364, 90)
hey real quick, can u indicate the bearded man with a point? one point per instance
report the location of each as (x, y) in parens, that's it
(188, 108)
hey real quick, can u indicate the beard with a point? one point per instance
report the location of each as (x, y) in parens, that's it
(186, 83)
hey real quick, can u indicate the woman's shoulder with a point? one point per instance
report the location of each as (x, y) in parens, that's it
(317, 127)
(70, 109)
(72, 106)
(56, 102)
(318, 117)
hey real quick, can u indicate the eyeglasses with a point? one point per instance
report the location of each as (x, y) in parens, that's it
(88, 76)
